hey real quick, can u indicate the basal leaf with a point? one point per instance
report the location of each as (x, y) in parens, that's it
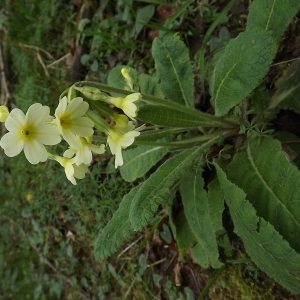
(272, 15)
(154, 135)
(288, 88)
(244, 63)
(185, 237)
(174, 68)
(117, 231)
(196, 209)
(156, 188)
(215, 204)
(200, 255)
(266, 247)
(271, 183)
(149, 85)
(138, 161)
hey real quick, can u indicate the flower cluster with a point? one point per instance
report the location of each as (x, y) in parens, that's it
(76, 116)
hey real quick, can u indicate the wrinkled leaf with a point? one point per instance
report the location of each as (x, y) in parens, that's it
(271, 183)
(149, 85)
(196, 209)
(156, 189)
(244, 63)
(272, 15)
(266, 247)
(174, 68)
(138, 161)
(167, 116)
(118, 230)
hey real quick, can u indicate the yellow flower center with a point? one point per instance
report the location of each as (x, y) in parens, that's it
(65, 122)
(28, 132)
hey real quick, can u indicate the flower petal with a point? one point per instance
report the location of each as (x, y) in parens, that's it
(84, 156)
(15, 120)
(118, 158)
(83, 126)
(77, 108)
(69, 170)
(97, 149)
(80, 171)
(12, 144)
(69, 153)
(61, 108)
(128, 138)
(71, 139)
(48, 134)
(35, 152)
(37, 113)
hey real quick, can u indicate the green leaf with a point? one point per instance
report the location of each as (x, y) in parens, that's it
(196, 209)
(156, 189)
(154, 135)
(149, 85)
(272, 15)
(215, 204)
(143, 16)
(218, 43)
(271, 183)
(263, 243)
(138, 161)
(118, 230)
(288, 88)
(244, 63)
(185, 237)
(166, 234)
(167, 116)
(200, 255)
(174, 68)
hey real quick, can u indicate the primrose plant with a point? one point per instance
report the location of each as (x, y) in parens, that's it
(238, 147)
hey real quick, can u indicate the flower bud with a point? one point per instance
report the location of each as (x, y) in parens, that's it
(4, 113)
(129, 81)
(71, 94)
(92, 93)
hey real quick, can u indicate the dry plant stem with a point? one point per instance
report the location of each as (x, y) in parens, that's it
(5, 95)
(58, 60)
(208, 120)
(127, 248)
(36, 48)
(42, 64)
(284, 62)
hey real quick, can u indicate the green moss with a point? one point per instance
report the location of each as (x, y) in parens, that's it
(236, 282)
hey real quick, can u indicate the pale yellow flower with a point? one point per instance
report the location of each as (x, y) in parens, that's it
(126, 104)
(71, 122)
(84, 154)
(30, 132)
(119, 138)
(71, 169)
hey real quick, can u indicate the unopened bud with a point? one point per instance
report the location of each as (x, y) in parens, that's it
(129, 81)
(4, 113)
(71, 94)
(92, 93)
